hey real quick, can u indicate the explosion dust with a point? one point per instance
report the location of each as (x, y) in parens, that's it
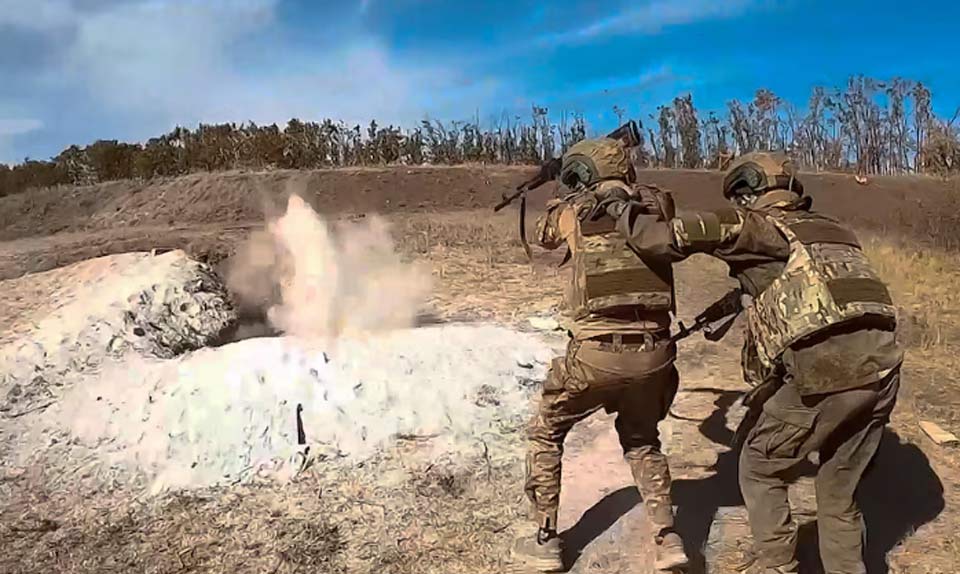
(316, 280)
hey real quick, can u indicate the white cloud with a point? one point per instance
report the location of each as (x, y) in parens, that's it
(360, 82)
(39, 15)
(18, 126)
(11, 127)
(651, 18)
(144, 66)
(165, 58)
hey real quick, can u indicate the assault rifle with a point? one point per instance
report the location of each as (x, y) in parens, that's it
(709, 321)
(549, 171)
(628, 133)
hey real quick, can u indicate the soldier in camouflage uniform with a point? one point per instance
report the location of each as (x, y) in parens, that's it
(619, 357)
(820, 349)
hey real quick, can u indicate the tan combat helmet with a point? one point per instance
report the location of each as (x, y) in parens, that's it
(591, 161)
(757, 173)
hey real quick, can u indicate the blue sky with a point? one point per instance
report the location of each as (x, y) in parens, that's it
(73, 71)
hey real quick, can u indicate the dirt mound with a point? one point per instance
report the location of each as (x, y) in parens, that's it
(265, 408)
(239, 198)
(230, 198)
(207, 215)
(69, 320)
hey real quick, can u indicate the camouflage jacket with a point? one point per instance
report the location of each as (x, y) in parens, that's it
(756, 253)
(559, 227)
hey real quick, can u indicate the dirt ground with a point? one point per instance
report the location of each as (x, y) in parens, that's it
(206, 213)
(461, 516)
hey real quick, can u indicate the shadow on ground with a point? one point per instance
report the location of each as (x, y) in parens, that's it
(698, 500)
(899, 493)
(596, 521)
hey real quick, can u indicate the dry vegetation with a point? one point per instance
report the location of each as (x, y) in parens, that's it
(396, 514)
(924, 281)
(480, 268)
(918, 257)
(869, 126)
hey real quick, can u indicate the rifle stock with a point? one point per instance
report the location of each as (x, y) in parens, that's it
(628, 133)
(548, 172)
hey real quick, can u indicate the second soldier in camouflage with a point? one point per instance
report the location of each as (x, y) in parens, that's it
(820, 349)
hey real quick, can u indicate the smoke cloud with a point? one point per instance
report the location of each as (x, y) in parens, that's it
(317, 280)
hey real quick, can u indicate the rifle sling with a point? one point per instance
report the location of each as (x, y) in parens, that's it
(523, 227)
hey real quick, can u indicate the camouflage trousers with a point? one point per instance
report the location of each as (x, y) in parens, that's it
(636, 382)
(846, 428)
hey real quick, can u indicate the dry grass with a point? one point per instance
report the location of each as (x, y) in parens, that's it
(396, 514)
(924, 283)
(479, 266)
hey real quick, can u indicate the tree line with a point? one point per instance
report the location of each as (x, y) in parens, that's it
(869, 126)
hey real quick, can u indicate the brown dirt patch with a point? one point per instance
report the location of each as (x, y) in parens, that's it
(891, 203)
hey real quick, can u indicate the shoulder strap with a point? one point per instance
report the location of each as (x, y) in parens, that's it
(784, 228)
(811, 228)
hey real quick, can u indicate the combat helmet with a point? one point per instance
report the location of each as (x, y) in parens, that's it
(589, 162)
(757, 173)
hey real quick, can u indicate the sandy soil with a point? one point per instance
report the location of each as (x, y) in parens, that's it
(460, 516)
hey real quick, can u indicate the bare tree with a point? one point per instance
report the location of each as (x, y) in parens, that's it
(740, 128)
(688, 129)
(869, 125)
(668, 128)
(922, 115)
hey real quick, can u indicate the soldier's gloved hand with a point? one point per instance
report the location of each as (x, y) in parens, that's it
(649, 204)
(611, 193)
(614, 207)
(610, 201)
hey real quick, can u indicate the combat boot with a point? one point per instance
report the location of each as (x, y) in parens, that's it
(748, 564)
(541, 552)
(669, 552)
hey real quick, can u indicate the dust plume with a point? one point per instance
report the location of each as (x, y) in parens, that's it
(317, 280)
